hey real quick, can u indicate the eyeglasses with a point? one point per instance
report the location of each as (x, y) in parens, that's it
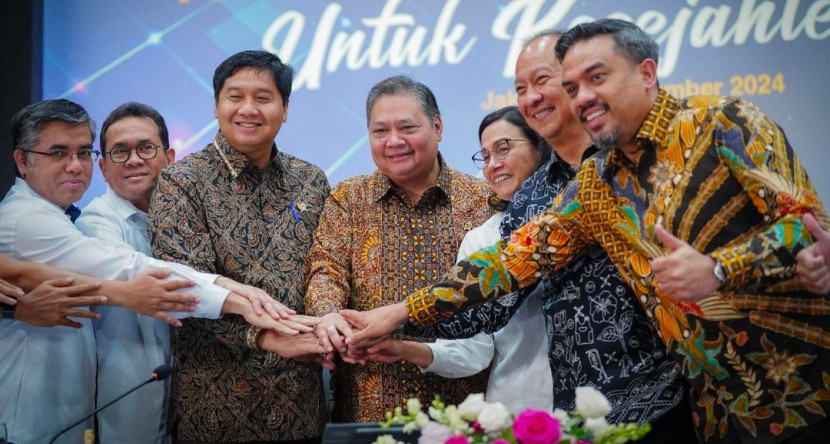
(145, 151)
(84, 155)
(500, 151)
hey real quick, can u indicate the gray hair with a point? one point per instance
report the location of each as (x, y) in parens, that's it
(27, 124)
(403, 85)
(556, 33)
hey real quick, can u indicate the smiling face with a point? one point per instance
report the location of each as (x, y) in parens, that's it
(61, 182)
(250, 112)
(505, 176)
(404, 142)
(541, 99)
(610, 94)
(134, 179)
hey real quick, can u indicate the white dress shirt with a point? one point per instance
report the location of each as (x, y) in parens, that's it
(47, 375)
(520, 375)
(129, 345)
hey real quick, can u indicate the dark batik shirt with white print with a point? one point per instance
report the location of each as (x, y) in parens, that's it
(599, 334)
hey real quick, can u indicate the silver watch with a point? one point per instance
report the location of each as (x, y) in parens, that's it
(720, 274)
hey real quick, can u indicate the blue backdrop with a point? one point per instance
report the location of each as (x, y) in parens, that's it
(101, 53)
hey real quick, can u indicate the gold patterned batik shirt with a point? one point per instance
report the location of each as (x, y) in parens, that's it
(372, 248)
(217, 212)
(718, 174)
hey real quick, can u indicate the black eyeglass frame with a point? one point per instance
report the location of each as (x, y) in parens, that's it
(137, 152)
(481, 162)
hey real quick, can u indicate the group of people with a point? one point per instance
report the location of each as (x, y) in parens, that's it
(682, 269)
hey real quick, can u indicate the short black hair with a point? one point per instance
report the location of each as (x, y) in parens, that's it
(631, 41)
(282, 73)
(512, 115)
(135, 109)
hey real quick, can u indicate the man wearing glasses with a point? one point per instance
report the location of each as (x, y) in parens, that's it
(50, 373)
(135, 148)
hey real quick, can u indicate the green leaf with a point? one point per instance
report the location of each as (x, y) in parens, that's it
(570, 209)
(797, 385)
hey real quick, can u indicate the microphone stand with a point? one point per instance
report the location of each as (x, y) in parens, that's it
(161, 372)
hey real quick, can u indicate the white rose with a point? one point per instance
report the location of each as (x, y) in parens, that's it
(434, 433)
(409, 427)
(386, 439)
(435, 414)
(494, 417)
(454, 420)
(597, 426)
(422, 419)
(413, 405)
(590, 403)
(561, 415)
(472, 406)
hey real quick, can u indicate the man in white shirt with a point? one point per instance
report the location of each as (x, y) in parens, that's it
(54, 368)
(135, 148)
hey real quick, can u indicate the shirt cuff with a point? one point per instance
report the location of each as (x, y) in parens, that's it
(323, 308)
(420, 307)
(208, 277)
(440, 360)
(212, 298)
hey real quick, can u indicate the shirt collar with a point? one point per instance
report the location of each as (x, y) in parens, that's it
(238, 163)
(29, 191)
(653, 131)
(382, 186)
(123, 208)
(556, 165)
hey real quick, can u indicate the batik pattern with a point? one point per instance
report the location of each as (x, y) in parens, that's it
(372, 248)
(721, 176)
(599, 334)
(254, 226)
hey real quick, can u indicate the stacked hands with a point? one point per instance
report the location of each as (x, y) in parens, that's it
(356, 336)
(683, 274)
(55, 302)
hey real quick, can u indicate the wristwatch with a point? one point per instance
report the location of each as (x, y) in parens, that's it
(720, 274)
(7, 311)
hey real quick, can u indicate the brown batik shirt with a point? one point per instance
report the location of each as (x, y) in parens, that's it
(372, 248)
(219, 213)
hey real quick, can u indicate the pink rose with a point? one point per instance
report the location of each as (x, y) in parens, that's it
(536, 427)
(501, 441)
(457, 439)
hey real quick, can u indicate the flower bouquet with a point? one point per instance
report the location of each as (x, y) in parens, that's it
(477, 421)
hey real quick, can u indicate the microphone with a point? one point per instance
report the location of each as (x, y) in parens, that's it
(160, 373)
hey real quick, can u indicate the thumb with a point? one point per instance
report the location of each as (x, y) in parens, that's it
(666, 238)
(61, 281)
(353, 317)
(815, 228)
(159, 273)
